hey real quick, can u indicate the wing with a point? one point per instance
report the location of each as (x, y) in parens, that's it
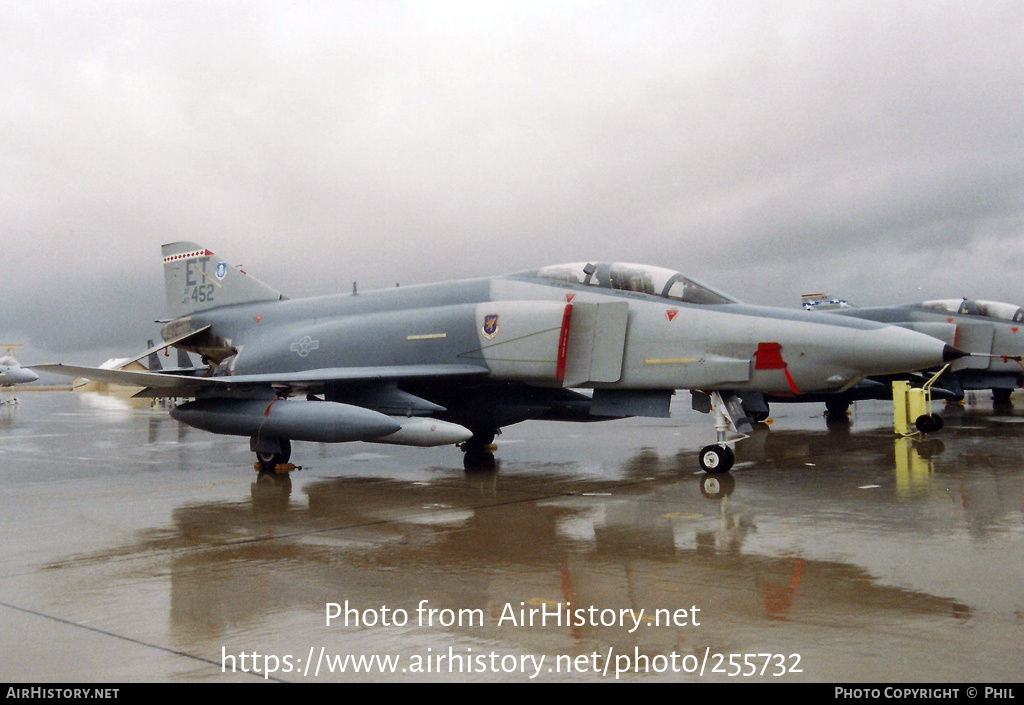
(156, 384)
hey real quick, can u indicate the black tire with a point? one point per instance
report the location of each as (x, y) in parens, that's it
(716, 459)
(926, 423)
(837, 407)
(269, 461)
(480, 443)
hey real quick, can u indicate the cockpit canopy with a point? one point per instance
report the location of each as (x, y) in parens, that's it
(640, 278)
(8, 361)
(977, 307)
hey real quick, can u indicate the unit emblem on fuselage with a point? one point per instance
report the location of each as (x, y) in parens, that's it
(490, 327)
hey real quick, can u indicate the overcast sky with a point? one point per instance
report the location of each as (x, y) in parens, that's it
(873, 150)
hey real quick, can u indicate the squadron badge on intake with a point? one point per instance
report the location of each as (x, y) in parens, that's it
(490, 327)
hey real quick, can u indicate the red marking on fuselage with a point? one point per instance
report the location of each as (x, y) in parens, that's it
(790, 382)
(769, 357)
(563, 343)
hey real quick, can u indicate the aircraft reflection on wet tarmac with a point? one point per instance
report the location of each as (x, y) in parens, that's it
(842, 545)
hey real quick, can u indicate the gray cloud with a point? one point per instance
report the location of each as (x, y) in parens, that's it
(870, 150)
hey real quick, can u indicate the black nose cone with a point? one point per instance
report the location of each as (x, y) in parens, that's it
(949, 354)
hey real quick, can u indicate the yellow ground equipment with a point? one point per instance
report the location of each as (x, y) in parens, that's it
(912, 408)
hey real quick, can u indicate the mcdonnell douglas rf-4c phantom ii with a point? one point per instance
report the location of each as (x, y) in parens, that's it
(453, 363)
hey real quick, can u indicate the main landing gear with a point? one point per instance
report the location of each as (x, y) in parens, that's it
(272, 456)
(479, 450)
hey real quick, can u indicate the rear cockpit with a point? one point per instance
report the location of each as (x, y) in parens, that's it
(977, 307)
(638, 278)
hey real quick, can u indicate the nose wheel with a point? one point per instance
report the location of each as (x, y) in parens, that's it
(729, 415)
(716, 459)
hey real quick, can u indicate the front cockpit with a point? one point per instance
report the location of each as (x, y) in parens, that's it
(638, 278)
(977, 307)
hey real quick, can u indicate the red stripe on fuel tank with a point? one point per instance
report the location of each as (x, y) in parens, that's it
(563, 343)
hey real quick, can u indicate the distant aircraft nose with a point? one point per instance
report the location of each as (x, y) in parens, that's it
(892, 350)
(17, 375)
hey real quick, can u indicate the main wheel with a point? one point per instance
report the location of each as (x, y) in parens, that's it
(481, 443)
(268, 461)
(716, 458)
(837, 407)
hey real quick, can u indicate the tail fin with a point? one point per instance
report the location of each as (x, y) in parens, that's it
(154, 359)
(196, 280)
(822, 302)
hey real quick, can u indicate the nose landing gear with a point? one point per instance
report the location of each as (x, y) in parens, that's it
(727, 408)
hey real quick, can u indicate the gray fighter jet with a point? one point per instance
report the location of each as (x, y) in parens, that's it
(453, 363)
(991, 331)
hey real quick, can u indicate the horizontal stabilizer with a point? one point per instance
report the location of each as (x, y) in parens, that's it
(126, 378)
(165, 345)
